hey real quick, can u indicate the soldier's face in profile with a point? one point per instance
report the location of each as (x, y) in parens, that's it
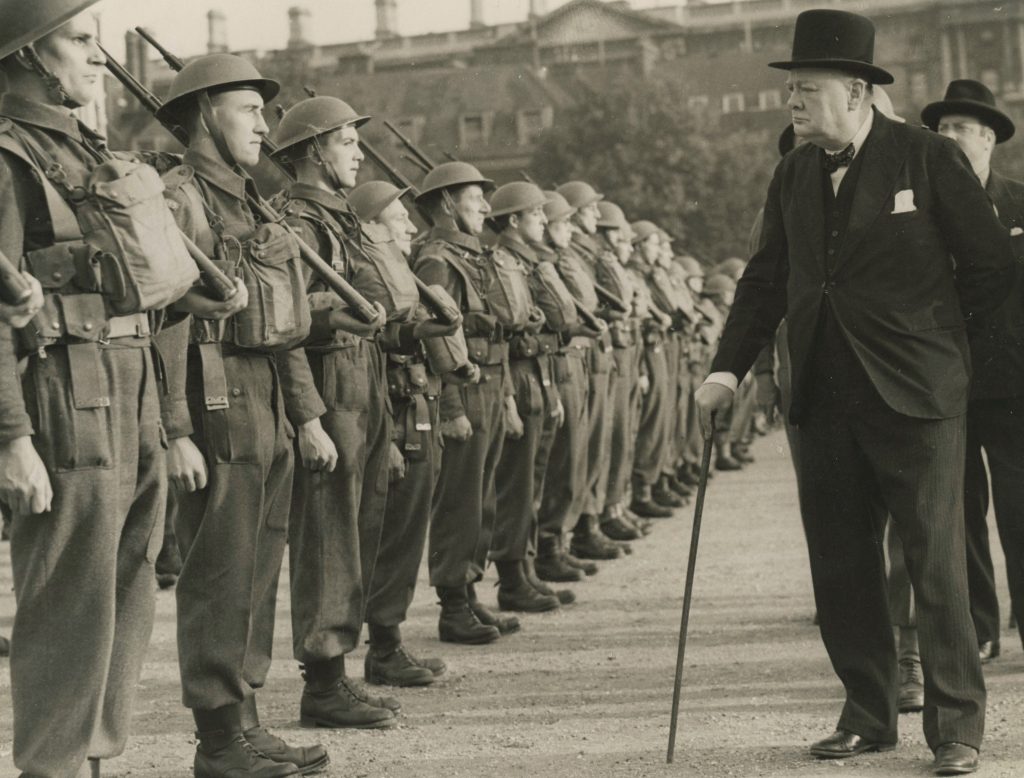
(531, 224)
(976, 140)
(588, 217)
(340, 149)
(396, 218)
(650, 247)
(471, 207)
(560, 232)
(239, 114)
(71, 53)
(823, 107)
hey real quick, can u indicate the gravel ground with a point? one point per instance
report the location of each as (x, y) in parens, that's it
(586, 691)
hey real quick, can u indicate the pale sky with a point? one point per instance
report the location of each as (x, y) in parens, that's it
(263, 24)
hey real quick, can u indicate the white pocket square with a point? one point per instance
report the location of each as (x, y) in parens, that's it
(904, 202)
(1015, 231)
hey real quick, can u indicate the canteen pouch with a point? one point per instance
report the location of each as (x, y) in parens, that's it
(385, 276)
(123, 219)
(553, 297)
(278, 312)
(508, 292)
(446, 354)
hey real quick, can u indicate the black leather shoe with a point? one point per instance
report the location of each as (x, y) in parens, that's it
(506, 625)
(586, 545)
(338, 705)
(649, 509)
(687, 475)
(564, 596)
(742, 455)
(955, 759)
(395, 667)
(515, 592)
(842, 744)
(309, 759)
(727, 463)
(988, 651)
(557, 570)
(617, 529)
(680, 488)
(458, 622)
(665, 497)
(911, 696)
(585, 566)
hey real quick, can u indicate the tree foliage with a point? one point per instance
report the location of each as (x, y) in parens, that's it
(637, 142)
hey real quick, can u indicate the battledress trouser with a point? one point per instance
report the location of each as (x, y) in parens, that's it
(337, 518)
(599, 426)
(514, 479)
(232, 533)
(652, 433)
(83, 572)
(565, 448)
(462, 515)
(623, 432)
(406, 515)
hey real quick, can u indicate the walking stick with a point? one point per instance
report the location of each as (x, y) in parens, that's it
(705, 466)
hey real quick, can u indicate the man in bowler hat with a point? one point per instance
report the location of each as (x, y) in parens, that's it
(860, 222)
(995, 413)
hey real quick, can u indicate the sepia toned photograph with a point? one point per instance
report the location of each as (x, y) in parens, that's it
(515, 388)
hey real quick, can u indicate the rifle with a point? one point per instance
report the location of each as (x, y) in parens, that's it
(437, 306)
(366, 311)
(14, 289)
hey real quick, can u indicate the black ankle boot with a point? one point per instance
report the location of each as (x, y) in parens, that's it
(458, 622)
(387, 661)
(589, 543)
(309, 760)
(550, 564)
(515, 592)
(332, 701)
(223, 752)
(506, 624)
(565, 596)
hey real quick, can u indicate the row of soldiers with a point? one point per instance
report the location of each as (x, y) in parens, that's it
(185, 341)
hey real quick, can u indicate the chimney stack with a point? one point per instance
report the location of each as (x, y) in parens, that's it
(538, 8)
(476, 13)
(216, 31)
(387, 18)
(298, 24)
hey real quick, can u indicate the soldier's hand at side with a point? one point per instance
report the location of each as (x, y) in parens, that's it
(711, 399)
(396, 464)
(19, 315)
(186, 467)
(457, 429)
(316, 449)
(558, 414)
(465, 374)
(644, 383)
(198, 302)
(513, 423)
(24, 483)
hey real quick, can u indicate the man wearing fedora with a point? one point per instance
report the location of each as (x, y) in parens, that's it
(860, 222)
(995, 413)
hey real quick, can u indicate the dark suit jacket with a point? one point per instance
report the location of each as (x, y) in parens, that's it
(997, 350)
(893, 288)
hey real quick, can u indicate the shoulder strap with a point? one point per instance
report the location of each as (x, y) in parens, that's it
(474, 302)
(182, 179)
(63, 221)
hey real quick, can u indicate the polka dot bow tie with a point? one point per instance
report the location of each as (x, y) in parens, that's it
(833, 162)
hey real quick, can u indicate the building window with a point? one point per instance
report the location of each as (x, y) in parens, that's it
(733, 102)
(474, 129)
(990, 78)
(697, 102)
(530, 124)
(769, 99)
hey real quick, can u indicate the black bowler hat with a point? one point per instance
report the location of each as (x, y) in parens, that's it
(835, 40)
(970, 98)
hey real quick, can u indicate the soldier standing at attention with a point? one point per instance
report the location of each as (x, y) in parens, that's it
(82, 469)
(232, 532)
(517, 215)
(474, 417)
(588, 541)
(968, 114)
(337, 516)
(414, 384)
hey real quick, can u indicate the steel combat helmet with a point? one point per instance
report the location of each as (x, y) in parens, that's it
(516, 197)
(217, 72)
(25, 23)
(313, 117)
(370, 199)
(452, 174)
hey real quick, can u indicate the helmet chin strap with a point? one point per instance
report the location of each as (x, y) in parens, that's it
(206, 111)
(459, 221)
(333, 179)
(53, 85)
